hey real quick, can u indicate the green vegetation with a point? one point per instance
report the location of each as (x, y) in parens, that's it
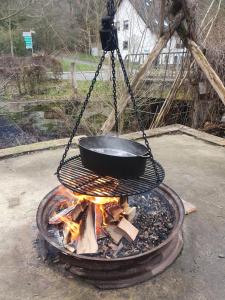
(86, 57)
(58, 90)
(79, 67)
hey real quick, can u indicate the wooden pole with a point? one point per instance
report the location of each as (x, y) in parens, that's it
(167, 103)
(162, 17)
(139, 77)
(73, 78)
(11, 38)
(207, 69)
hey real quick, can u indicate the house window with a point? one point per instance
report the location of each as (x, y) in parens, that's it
(179, 44)
(125, 45)
(125, 25)
(166, 58)
(175, 60)
(117, 25)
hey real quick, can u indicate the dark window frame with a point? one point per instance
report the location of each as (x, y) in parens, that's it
(125, 24)
(125, 45)
(117, 24)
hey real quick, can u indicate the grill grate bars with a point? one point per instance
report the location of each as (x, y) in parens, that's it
(79, 179)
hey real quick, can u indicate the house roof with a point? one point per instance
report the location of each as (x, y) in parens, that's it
(148, 10)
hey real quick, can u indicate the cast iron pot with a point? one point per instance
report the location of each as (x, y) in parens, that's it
(113, 156)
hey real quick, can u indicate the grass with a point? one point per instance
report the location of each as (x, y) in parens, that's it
(86, 57)
(58, 90)
(79, 67)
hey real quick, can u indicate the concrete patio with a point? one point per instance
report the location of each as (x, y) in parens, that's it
(195, 169)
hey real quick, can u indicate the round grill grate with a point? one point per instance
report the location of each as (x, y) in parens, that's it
(75, 177)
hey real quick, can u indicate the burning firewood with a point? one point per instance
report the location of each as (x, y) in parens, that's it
(129, 231)
(66, 234)
(87, 242)
(66, 239)
(57, 219)
(115, 212)
(78, 210)
(99, 222)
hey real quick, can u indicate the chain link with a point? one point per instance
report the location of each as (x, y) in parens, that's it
(114, 90)
(111, 9)
(85, 103)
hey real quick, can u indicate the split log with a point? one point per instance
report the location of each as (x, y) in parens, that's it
(71, 246)
(207, 69)
(99, 222)
(139, 77)
(115, 233)
(56, 219)
(66, 234)
(130, 232)
(189, 207)
(87, 243)
(115, 212)
(130, 213)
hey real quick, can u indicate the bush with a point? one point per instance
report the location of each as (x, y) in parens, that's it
(31, 77)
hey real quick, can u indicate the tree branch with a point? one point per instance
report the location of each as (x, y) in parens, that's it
(15, 13)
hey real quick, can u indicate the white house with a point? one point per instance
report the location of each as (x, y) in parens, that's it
(137, 26)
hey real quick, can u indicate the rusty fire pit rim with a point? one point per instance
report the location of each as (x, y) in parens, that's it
(175, 231)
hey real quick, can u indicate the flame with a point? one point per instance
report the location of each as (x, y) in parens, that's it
(71, 199)
(97, 200)
(73, 227)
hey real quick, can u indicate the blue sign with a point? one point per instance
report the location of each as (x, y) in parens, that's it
(28, 40)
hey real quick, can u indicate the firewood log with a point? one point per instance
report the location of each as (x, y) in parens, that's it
(129, 231)
(87, 242)
(115, 211)
(115, 233)
(80, 208)
(56, 219)
(130, 213)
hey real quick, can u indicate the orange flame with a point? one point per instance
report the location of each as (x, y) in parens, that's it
(73, 227)
(96, 200)
(72, 199)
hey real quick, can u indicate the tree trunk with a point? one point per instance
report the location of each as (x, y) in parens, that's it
(11, 38)
(206, 68)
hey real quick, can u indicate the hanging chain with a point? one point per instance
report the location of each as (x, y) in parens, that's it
(111, 12)
(111, 9)
(114, 90)
(140, 124)
(82, 110)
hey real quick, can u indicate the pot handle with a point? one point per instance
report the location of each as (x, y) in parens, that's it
(81, 138)
(146, 155)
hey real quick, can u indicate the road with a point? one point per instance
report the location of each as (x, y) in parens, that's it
(86, 75)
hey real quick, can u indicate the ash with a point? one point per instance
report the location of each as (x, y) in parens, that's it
(155, 220)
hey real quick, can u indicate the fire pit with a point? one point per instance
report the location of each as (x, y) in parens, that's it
(115, 242)
(112, 221)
